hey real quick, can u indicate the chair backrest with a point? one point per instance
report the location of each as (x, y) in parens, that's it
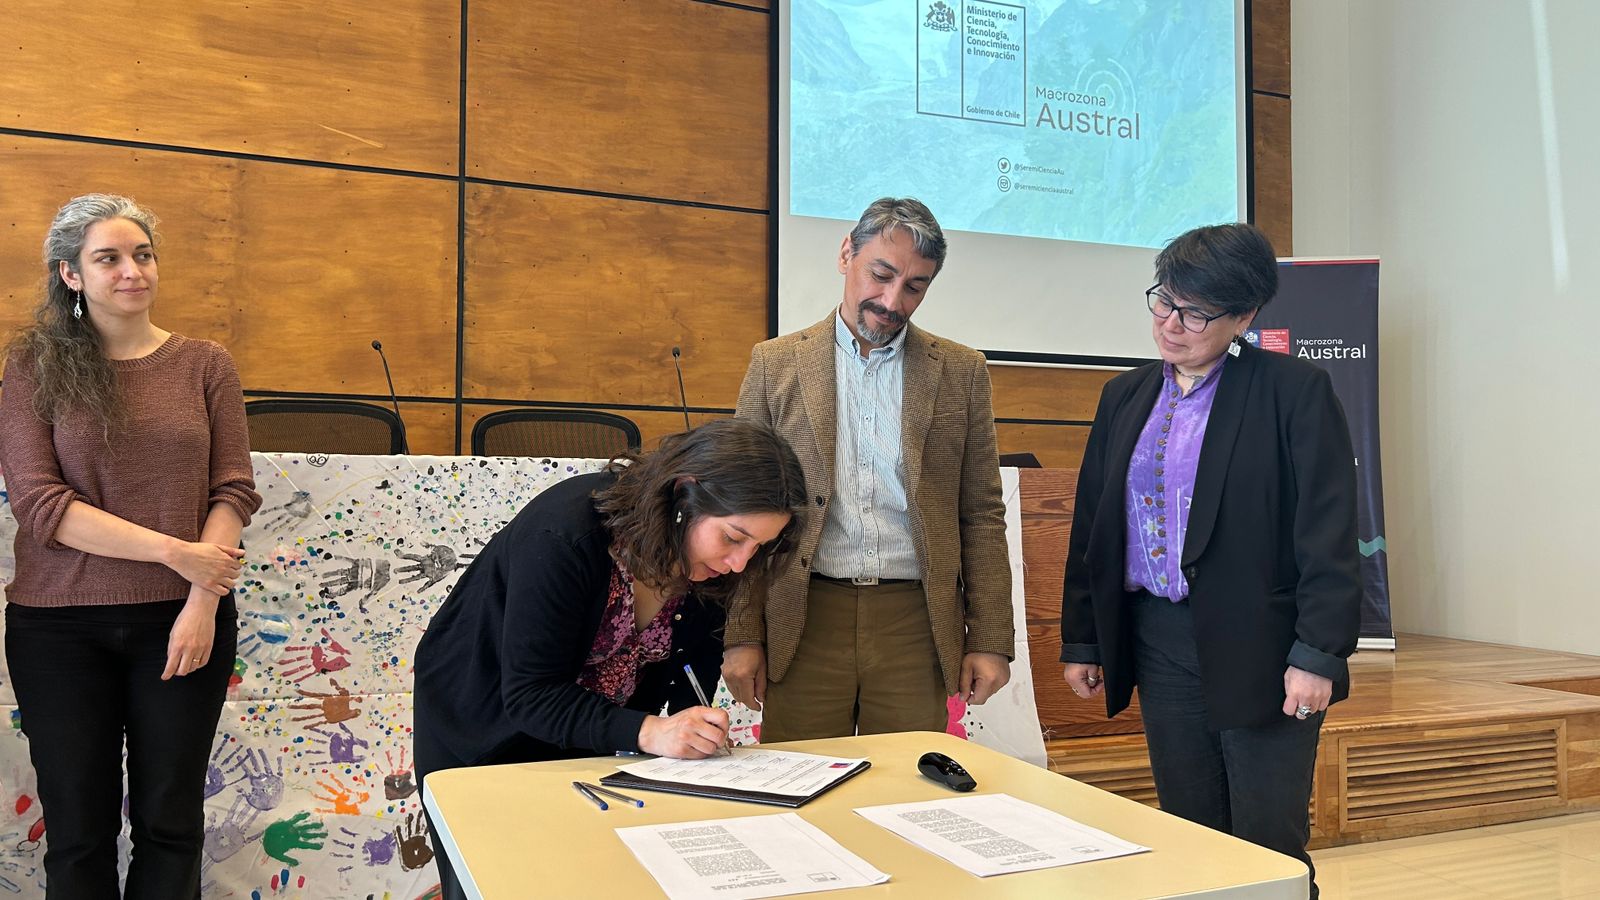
(323, 426)
(557, 433)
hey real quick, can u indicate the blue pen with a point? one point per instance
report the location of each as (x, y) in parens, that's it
(624, 798)
(700, 694)
(580, 788)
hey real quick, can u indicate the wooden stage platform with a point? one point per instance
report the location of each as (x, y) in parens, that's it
(1437, 735)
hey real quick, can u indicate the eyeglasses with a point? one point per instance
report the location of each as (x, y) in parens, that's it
(1162, 307)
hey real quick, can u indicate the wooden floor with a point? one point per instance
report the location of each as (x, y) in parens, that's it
(1432, 680)
(1545, 859)
(1438, 735)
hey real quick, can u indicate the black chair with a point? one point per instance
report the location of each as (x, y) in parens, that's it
(557, 433)
(324, 426)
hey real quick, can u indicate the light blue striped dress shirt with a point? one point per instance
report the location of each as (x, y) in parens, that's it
(867, 530)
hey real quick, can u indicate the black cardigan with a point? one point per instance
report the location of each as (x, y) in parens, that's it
(497, 670)
(1270, 554)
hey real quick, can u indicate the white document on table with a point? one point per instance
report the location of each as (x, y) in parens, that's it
(992, 834)
(755, 856)
(749, 769)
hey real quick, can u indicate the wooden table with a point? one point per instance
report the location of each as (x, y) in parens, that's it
(521, 831)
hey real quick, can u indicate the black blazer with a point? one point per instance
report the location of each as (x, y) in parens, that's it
(1270, 553)
(497, 670)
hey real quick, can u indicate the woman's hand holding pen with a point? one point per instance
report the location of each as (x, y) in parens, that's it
(694, 733)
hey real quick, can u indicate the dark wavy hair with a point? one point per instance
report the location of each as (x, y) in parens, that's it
(71, 371)
(727, 467)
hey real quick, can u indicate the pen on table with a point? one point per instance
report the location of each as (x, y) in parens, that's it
(583, 789)
(700, 694)
(617, 795)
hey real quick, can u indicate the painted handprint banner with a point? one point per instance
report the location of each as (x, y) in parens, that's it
(310, 789)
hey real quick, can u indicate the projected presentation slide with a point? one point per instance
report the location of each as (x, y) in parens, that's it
(1105, 121)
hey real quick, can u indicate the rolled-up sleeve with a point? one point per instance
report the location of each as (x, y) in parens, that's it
(38, 493)
(232, 473)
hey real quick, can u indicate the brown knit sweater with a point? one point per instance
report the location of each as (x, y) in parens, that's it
(185, 447)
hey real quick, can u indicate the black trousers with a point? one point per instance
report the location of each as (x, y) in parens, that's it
(1253, 783)
(430, 756)
(87, 679)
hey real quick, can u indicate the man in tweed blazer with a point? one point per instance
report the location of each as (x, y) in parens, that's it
(898, 593)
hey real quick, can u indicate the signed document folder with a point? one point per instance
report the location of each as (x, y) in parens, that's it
(773, 777)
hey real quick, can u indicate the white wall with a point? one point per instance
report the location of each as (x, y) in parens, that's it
(1425, 132)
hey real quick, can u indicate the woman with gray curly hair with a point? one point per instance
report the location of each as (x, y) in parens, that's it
(127, 463)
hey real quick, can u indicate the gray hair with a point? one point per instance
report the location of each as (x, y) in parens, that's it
(889, 213)
(64, 241)
(69, 368)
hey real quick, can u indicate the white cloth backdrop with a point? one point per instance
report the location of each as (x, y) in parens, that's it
(311, 792)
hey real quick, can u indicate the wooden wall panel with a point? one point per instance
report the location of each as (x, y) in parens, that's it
(1022, 392)
(1056, 446)
(1269, 46)
(1046, 504)
(334, 80)
(1274, 207)
(284, 265)
(653, 424)
(662, 98)
(1044, 547)
(578, 298)
(430, 427)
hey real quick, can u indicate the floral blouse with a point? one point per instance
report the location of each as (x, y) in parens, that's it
(612, 667)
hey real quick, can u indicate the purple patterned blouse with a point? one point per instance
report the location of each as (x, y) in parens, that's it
(1161, 476)
(612, 667)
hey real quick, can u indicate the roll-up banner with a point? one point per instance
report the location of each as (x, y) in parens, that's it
(1326, 312)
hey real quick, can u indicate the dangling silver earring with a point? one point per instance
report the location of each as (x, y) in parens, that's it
(1233, 346)
(77, 304)
(679, 519)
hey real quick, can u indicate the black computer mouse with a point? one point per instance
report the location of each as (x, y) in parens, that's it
(946, 771)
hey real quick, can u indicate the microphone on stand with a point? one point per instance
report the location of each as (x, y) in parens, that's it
(682, 397)
(405, 446)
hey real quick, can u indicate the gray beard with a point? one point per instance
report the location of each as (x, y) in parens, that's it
(871, 335)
